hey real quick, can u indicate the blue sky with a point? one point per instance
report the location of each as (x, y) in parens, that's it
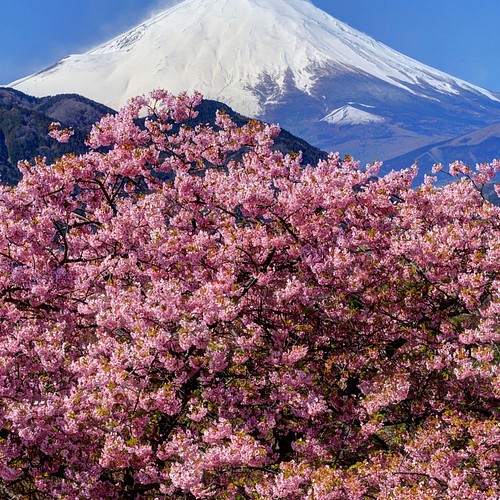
(460, 37)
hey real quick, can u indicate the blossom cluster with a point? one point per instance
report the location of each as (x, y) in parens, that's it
(60, 135)
(187, 313)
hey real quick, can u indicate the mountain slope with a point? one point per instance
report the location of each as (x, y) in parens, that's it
(25, 120)
(283, 61)
(24, 125)
(480, 146)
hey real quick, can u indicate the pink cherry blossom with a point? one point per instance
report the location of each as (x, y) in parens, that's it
(186, 313)
(60, 135)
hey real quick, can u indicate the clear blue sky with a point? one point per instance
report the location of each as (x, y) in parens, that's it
(460, 37)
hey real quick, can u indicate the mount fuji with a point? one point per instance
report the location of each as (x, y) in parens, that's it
(282, 61)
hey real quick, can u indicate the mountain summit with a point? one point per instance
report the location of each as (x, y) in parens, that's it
(279, 60)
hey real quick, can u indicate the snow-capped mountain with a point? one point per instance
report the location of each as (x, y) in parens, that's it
(284, 61)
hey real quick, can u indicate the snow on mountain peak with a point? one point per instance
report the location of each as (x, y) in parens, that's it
(226, 49)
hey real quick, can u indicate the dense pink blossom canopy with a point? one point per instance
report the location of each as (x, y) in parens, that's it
(186, 314)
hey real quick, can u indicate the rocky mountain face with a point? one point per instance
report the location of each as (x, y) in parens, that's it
(25, 120)
(283, 61)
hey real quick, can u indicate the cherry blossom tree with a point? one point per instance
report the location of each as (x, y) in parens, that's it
(187, 314)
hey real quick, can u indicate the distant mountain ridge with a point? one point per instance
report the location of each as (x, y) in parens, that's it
(283, 61)
(474, 147)
(479, 146)
(24, 125)
(25, 120)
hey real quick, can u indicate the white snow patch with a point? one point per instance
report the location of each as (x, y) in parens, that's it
(348, 115)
